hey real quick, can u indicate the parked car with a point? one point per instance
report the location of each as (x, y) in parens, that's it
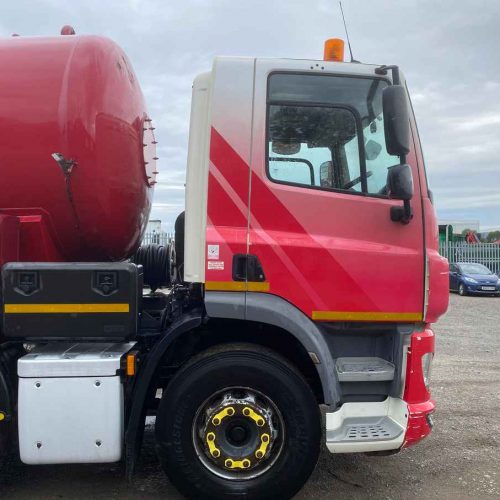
(468, 277)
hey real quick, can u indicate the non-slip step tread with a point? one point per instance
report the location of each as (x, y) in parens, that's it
(382, 429)
(359, 369)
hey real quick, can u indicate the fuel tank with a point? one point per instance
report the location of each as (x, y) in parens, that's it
(77, 151)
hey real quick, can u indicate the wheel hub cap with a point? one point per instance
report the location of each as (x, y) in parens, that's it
(239, 433)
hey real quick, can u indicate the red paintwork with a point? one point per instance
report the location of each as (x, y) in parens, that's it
(227, 214)
(415, 390)
(346, 254)
(319, 250)
(418, 397)
(438, 266)
(78, 96)
(325, 251)
(418, 424)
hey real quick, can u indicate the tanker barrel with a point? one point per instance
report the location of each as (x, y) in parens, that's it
(81, 190)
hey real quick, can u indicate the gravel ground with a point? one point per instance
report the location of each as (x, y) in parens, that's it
(461, 459)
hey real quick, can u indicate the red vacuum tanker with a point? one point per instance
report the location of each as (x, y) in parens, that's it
(304, 272)
(77, 157)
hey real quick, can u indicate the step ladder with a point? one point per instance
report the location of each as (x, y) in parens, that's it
(365, 427)
(367, 369)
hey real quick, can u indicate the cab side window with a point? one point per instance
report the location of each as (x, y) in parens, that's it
(327, 132)
(314, 146)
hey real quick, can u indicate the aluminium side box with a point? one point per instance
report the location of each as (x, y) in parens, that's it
(74, 300)
(71, 403)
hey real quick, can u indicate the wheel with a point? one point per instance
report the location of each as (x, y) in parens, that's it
(461, 290)
(238, 421)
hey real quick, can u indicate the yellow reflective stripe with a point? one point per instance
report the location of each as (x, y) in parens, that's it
(365, 316)
(237, 286)
(65, 308)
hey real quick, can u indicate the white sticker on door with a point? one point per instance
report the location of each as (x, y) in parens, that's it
(216, 265)
(213, 252)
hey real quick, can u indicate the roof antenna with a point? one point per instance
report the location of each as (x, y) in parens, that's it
(347, 33)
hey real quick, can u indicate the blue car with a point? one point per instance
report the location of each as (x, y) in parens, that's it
(469, 278)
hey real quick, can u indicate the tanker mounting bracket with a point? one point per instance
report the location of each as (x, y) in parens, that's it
(66, 165)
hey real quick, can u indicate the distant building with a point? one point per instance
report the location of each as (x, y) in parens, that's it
(458, 226)
(154, 233)
(154, 226)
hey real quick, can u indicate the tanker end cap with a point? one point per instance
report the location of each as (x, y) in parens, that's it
(68, 30)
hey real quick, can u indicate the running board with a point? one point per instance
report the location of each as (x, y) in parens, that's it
(364, 427)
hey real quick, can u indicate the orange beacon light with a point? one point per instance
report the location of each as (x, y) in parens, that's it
(334, 50)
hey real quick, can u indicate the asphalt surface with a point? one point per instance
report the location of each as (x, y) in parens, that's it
(461, 459)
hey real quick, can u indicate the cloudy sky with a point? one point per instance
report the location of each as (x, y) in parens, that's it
(448, 49)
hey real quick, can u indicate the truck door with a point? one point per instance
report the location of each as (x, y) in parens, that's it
(319, 212)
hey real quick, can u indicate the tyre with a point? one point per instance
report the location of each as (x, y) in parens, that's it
(238, 421)
(461, 290)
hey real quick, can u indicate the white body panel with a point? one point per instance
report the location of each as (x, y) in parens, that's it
(71, 403)
(197, 181)
(64, 419)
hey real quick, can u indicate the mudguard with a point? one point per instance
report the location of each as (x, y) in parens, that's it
(273, 310)
(135, 423)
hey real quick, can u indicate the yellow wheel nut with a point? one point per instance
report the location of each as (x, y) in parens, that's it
(228, 463)
(248, 412)
(246, 463)
(264, 440)
(214, 451)
(225, 412)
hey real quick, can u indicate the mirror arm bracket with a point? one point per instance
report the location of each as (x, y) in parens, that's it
(402, 214)
(382, 70)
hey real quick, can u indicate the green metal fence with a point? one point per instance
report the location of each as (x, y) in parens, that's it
(487, 254)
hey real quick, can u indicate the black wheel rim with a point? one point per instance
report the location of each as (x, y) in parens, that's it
(238, 433)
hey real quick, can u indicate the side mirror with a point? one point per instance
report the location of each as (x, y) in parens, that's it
(400, 187)
(400, 182)
(396, 120)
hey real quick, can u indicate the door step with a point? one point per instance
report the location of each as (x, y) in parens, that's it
(363, 427)
(364, 370)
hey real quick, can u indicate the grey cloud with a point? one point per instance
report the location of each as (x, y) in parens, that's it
(448, 50)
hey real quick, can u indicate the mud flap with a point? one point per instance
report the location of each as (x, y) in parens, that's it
(6, 410)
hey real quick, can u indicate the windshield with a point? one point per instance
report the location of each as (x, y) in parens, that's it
(475, 269)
